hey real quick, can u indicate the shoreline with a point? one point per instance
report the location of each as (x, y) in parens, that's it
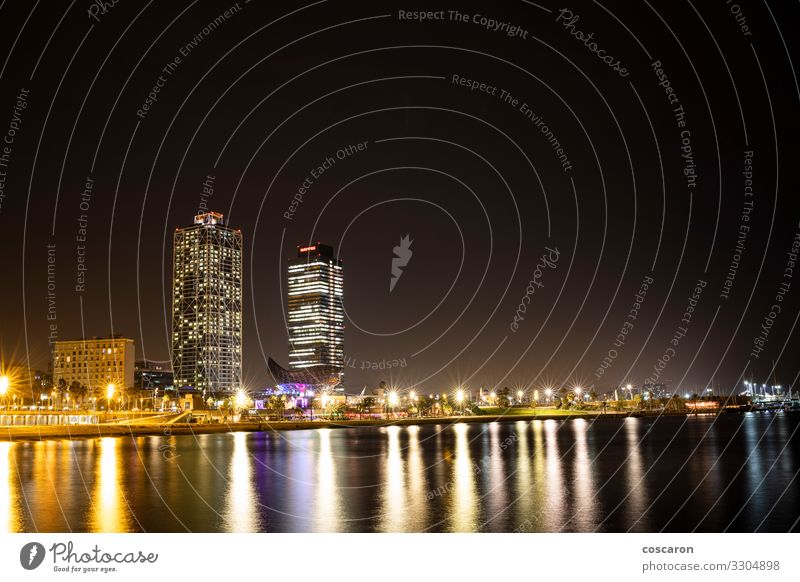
(60, 432)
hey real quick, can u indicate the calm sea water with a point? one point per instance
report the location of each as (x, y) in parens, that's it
(728, 473)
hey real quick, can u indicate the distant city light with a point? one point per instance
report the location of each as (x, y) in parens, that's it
(393, 398)
(110, 391)
(459, 396)
(5, 382)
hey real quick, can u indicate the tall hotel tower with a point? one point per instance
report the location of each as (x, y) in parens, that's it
(316, 313)
(207, 306)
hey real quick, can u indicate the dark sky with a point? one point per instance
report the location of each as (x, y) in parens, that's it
(260, 100)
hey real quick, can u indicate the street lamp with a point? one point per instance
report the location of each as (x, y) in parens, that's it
(460, 399)
(5, 383)
(241, 398)
(109, 396)
(548, 393)
(578, 391)
(519, 396)
(324, 399)
(392, 400)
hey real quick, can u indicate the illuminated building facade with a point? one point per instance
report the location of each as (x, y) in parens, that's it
(316, 315)
(94, 363)
(207, 306)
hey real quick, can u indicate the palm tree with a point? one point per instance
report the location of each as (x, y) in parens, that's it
(277, 404)
(76, 389)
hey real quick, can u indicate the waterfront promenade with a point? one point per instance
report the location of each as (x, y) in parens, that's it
(160, 426)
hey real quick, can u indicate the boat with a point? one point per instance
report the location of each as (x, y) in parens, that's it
(793, 406)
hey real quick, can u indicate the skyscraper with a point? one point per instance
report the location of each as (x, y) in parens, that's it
(207, 305)
(316, 312)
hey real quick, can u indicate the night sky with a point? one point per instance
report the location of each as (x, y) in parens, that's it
(527, 260)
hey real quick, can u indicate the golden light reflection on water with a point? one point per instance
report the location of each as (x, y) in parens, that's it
(327, 504)
(393, 510)
(539, 491)
(554, 478)
(464, 505)
(241, 509)
(494, 474)
(585, 506)
(9, 491)
(418, 502)
(109, 509)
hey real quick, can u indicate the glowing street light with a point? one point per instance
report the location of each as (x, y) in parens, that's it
(413, 396)
(519, 396)
(393, 398)
(109, 396)
(548, 392)
(459, 396)
(578, 391)
(241, 399)
(5, 383)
